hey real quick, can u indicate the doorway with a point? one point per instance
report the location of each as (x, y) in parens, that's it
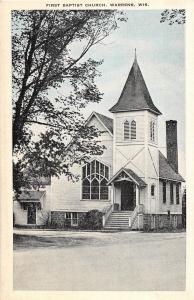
(32, 213)
(128, 195)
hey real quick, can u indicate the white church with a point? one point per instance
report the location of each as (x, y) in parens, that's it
(132, 183)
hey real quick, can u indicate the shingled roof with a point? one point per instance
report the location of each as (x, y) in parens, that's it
(108, 122)
(135, 95)
(31, 195)
(131, 174)
(165, 170)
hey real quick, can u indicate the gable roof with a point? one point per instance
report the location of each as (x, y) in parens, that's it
(31, 195)
(104, 120)
(165, 170)
(135, 94)
(131, 175)
(108, 122)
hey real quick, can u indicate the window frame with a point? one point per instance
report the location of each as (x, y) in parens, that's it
(133, 130)
(70, 216)
(178, 193)
(152, 189)
(164, 192)
(152, 131)
(100, 175)
(171, 193)
(126, 130)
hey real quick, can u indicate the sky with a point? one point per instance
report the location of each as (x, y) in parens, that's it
(161, 57)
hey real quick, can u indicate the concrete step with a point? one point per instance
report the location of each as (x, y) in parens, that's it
(116, 228)
(118, 220)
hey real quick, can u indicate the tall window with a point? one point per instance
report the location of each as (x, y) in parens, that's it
(177, 194)
(164, 191)
(152, 131)
(171, 193)
(126, 130)
(133, 130)
(95, 176)
(152, 190)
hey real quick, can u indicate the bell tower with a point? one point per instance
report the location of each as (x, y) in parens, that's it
(135, 145)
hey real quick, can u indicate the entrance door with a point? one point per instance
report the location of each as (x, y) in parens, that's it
(32, 213)
(127, 195)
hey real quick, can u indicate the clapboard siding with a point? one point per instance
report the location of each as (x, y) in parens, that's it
(119, 125)
(174, 208)
(67, 195)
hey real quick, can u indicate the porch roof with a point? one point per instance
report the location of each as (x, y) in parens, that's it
(27, 196)
(131, 174)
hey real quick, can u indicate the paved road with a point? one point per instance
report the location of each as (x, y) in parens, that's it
(103, 261)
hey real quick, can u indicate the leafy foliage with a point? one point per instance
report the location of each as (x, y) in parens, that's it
(173, 16)
(91, 220)
(43, 64)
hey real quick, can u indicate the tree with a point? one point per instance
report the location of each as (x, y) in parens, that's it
(173, 16)
(43, 43)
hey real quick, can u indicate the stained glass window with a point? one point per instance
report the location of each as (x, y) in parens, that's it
(94, 183)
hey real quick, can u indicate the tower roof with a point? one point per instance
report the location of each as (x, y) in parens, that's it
(135, 94)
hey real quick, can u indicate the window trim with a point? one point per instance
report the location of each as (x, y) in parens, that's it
(163, 198)
(178, 194)
(99, 177)
(126, 122)
(171, 193)
(72, 220)
(133, 130)
(152, 189)
(152, 131)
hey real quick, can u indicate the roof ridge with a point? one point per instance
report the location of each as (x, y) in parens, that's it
(103, 115)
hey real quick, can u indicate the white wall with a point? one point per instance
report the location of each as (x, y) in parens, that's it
(67, 195)
(174, 208)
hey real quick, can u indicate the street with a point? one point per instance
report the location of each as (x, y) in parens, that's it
(99, 261)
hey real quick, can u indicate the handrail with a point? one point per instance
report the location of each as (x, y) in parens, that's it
(106, 213)
(138, 209)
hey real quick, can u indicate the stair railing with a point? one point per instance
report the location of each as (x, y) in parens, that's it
(106, 213)
(138, 210)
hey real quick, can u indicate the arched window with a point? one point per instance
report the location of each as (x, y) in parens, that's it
(103, 189)
(86, 189)
(95, 189)
(152, 190)
(133, 130)
(152, 131)
(95, 176)
(126, 130)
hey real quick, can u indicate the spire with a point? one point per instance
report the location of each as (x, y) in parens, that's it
(135, 95)
(135, 60)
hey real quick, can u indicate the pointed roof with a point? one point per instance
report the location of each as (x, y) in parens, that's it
(135, 95)
(131, 174)
(31, 195)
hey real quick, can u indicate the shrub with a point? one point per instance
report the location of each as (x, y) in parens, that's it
(91, 220)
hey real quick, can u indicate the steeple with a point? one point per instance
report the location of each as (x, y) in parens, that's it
(135, 59)
(135, 95)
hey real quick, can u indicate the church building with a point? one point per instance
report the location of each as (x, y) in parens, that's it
(132, 183)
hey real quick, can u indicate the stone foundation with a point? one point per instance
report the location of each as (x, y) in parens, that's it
(59, 220)
(160, 221)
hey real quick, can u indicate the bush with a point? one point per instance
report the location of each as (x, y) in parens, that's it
(91, 220)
